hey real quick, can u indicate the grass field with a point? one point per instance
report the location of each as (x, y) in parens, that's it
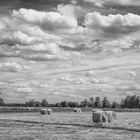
(61, 109)
(67, 126)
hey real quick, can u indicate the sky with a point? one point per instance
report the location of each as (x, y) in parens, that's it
(69, 49)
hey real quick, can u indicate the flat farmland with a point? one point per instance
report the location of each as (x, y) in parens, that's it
(67, 126)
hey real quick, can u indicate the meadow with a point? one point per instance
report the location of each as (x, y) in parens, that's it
(67, 126)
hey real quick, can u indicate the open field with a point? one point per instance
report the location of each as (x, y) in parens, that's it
(67, 126)
(60, 109)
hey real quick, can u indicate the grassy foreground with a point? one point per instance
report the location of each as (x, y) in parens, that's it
(67, 126)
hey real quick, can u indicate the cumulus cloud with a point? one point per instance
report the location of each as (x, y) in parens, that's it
(12, 67)
(75, 12)
(58, 93)
(46, 20)
(2, 26)
(119, 43)
(51, 35)
(37, 35)
(129, 93)
(90, 73)
(94, 81)
(43, 57)
(37, 84)
(113, 24)
(40, 35)
(19, 37)
(132, 73)
(73, 80)
(74, 2)
(116, 46)
(24, 90)
(66, 78)
(51, 48)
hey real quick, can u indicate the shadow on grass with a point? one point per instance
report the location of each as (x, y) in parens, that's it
(78, 125)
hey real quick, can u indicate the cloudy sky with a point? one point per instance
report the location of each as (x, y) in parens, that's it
(69, 49)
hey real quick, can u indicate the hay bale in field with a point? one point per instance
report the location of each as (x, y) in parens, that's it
(111, 115)
(49, 110)
(99, 116)
(28, 109)
(96, 110)
(46, 111)
(77, 110)
(43, 111)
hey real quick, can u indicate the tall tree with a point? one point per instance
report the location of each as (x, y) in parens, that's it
(91, 101)
(44, 103)
(138, 102)
(97, 103)
(1, 102)
(105, 103)
(64, 104)
(131, 102)
(115, 105)
(85, 103)
(37, 104)
(73, 104)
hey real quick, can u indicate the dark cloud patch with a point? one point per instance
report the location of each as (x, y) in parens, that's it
(7, 5)
(119, 31)
(41, 4)
(78, 49)
(124, 9)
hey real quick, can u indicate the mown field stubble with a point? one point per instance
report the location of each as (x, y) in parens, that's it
(67, 126)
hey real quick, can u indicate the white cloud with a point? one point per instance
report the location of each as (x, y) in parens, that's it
(46, 20)
(112, 25)
(66, 78)
(12, 67)
(129, 93)
(2, 26)
(37, 84)
(2, 84)
(116, 46)
(42, 57)
(51, 48)
(132, 73)
(112, 51)
(24, 90)
(19, 37)
(94, 81)
(74, 12)
(41, 33)
(90, 73)
(56, 35)
(133, 87)
(75, 95)
(74, 2)
(57, 93)
(126, 42)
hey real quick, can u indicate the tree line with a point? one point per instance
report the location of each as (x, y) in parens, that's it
(127, 102)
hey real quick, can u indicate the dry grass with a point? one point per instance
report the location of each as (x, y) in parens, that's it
(67, 126)
(60, 109)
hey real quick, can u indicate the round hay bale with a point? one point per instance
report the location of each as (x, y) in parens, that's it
(77, 110)
(43, 111)
(99, 116)
(111, 115)
(49, 110)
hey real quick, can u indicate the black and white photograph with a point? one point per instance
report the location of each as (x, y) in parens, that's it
(69, 69)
